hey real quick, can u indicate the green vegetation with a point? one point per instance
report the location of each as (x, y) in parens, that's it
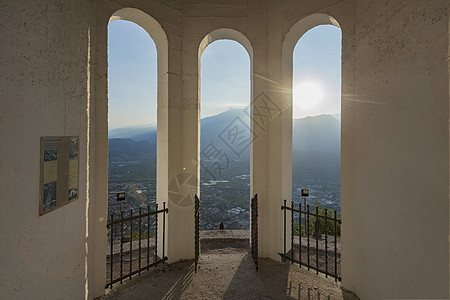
(143, 236)
(322, 229)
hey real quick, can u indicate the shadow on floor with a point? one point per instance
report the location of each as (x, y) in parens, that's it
(165, 282)
(274, 280)
(229, 275)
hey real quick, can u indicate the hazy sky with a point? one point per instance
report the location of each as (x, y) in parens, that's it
(317, 63)
(225, 73)
(131, 75)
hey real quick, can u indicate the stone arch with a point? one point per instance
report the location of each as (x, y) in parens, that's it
(211, 37)
(156, 32)
(290, 40)
(158, 35)
(225, 34)
(98, 208)
(301, 27)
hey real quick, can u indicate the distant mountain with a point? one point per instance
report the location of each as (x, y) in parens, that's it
(149, 135)
(316, 142)
(337, 116)
(316, 148)
(314, 164)
(318, 133)
(133, 132)
(216, 130)
(128, 149)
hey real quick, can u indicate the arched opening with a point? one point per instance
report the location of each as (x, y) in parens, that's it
(132, 82)
(312, 72)
(100, 206)
(316, 143)
(132, 141)
(225, 59)
(316, 117)
(157, 34)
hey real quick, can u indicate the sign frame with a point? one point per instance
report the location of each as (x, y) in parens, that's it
(305, 192)
(59, 172)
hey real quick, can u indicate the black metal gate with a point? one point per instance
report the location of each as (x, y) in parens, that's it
(321, 228)
(130, 250)
(197, 230)
(254, 230)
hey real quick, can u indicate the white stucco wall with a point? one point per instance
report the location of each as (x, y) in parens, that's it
(393, 56)
(43, 92)
(395, 136)
(399, 152)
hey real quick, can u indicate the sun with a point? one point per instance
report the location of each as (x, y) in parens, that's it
(307, 95)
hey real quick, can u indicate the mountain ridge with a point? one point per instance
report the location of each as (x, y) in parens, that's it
(316, 141)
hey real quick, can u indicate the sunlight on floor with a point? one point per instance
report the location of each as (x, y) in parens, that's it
(229, 275)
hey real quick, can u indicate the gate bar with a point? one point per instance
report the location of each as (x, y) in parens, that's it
(284, 243)
(155, 258)
(308, 214)
(121, 246)
(140, 234)
(335, 247)
(317, 229)
(326, 243)
(196, 230)
(300, 234)
(307, 233)
(131, 241)
(148, 236)
(164, 232)
(292, 234)
(112, 249)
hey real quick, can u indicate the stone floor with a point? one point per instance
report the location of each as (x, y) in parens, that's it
(228, 273)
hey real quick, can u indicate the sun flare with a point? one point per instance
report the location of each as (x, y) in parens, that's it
(307, 95)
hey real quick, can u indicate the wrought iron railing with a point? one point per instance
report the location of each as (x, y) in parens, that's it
(254, 230)
(323, 229)
(126, 250)
(197, 230)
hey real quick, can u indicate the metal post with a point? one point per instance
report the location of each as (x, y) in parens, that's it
(292, 232)
(284, 235)
(335, 247)
(164, 232)
(252, 241)
(155, 259)
(317, 229)
(326, 243)
(148, 236)
(131, 241)
(300, 234)
(112, 249)
(256, 232)
(304, 205)
(196, 230)
(307, 232)
(121, 246)
(140, 233)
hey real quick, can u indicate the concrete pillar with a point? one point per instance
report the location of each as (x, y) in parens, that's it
(97, 143)
(271, 170)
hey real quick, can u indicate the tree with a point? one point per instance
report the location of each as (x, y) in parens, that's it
(320, 224)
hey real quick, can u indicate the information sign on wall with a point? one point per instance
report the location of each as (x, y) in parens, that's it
(59, 171)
